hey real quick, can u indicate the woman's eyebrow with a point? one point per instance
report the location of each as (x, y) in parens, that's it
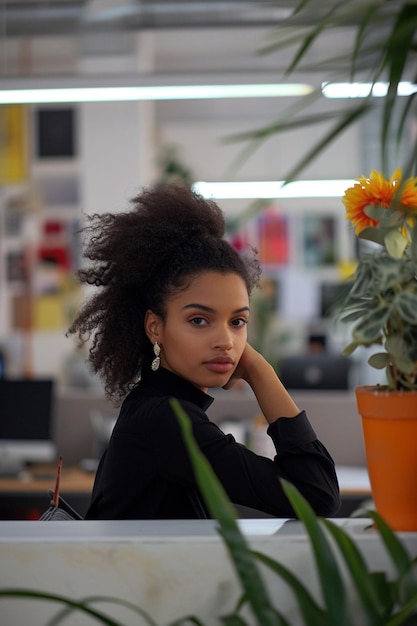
(208, 309)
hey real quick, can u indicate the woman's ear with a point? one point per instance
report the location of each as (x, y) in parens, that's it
(152, 326)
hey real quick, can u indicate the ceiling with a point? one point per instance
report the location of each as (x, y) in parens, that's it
(59, 17)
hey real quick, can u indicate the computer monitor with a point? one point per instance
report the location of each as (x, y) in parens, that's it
(26, 423)
(317, 372)
(2, 366)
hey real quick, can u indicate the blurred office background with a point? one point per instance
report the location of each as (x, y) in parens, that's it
(60, 161)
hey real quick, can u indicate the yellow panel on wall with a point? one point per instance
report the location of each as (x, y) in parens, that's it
(48, 312)
(13, 144)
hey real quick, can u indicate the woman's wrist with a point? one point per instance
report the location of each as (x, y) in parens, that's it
(273, 398)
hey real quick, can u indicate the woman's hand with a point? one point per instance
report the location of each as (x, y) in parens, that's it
(274, 400)
(242, 370)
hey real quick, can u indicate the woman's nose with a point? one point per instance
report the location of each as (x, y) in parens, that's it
(223, 339)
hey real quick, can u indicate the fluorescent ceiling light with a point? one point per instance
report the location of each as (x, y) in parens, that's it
(93, 89)
(362, 90)
(268, 189)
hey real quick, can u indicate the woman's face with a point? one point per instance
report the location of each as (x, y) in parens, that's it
(204, 332)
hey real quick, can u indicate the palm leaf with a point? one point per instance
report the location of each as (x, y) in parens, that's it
(79, 605)
(327, 139)
(310, 38)
(221, 508)
(313, 614)
(368, 16)
(63, 614)
(399, 556)
(397, 52)
(407, 616)
(373, 590)
(386, 57)
(329, 574)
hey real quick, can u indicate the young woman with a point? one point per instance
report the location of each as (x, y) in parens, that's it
(170, 319)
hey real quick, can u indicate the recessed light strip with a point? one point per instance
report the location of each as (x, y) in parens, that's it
(265, 189)
(363, 90)
(159, 92)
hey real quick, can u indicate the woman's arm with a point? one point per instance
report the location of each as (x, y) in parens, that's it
(273, 399)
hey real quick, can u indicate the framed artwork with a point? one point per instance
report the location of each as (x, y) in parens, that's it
(55, 133)
(319, 240)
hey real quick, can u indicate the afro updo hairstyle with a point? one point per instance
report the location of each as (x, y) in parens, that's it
(140, 258)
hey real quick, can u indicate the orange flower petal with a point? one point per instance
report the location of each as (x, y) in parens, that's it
(375, 190)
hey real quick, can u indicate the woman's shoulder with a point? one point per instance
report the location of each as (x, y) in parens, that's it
(146, 409)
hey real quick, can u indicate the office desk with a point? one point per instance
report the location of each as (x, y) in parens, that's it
(27, 496)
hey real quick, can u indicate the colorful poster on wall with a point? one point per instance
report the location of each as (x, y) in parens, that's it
(273, 243)
(13, 144)
(56, 293)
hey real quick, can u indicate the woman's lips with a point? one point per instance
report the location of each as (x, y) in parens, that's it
(220, 366)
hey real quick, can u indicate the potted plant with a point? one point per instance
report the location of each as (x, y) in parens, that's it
(382, 300)
(381, 305)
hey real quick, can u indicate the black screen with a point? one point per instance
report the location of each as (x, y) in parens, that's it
(26, 409)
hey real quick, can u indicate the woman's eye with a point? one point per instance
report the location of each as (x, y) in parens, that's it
(198, 321)
(241, 321)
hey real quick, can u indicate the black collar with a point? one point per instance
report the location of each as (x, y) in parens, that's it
(166, 383)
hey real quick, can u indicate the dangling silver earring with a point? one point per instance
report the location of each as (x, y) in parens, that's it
(157, 361)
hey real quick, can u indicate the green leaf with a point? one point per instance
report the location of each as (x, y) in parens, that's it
(363, 281)
(312, 613)
(397, 49)
(376, 602)
(376, 212)
(348, 350)
(370, 327)
(395, 346)
(330, 577)
(380, 360)
(372, 234)
(364, 22)
(370, 56)
(402, 123)
(221, 508)
(300, 6)
(312, 35)
(405, 365)
(287, 120)
(395, 243)
(413, 246)
(388, 271)
(63, 614)
(341, 125)
(399, 555)
(406, 304)
(407, 616)
(81, 605)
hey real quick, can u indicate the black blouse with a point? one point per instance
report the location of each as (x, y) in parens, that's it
(146, 473)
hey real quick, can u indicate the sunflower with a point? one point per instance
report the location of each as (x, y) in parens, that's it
(408, 198)
(375, 190)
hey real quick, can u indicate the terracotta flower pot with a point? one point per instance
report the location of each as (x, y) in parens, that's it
(389, 422)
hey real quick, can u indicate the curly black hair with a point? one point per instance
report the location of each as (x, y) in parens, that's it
(137, 260)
